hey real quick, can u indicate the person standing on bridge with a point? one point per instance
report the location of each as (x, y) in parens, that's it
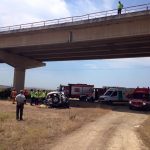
(120, 7)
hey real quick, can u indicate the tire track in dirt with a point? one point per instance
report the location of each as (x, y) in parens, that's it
(113, 131)
(123, 134)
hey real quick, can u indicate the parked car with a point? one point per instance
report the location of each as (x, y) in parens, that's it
(57, 99)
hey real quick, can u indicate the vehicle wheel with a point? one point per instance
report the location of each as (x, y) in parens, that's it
(55, 100)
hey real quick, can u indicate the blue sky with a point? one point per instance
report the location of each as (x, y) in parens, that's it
(116, 72)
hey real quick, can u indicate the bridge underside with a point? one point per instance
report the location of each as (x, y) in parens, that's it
(126, 47)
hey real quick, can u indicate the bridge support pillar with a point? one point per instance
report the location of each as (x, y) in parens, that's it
(20, 63)
(19, 78)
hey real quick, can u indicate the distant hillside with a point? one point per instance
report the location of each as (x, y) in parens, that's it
(4, 86)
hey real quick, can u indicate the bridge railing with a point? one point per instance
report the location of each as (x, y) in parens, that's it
(101, 14)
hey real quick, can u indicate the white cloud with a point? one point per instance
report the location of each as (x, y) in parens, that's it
(26, 11)
(107, 4)
(128, 63)
(87, 5)
(81, 7)
(6, 74)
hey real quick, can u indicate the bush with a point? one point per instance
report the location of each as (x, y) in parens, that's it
(5, 93)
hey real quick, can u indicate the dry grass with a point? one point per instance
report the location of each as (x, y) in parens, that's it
(145, 132)
(41, 126)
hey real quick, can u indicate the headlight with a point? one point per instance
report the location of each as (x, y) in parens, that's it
(144, 103)
(130, 102)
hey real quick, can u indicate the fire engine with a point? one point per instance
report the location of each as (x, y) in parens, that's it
(140, 99)
(83, 92)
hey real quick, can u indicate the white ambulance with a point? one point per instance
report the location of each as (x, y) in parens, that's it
(116, 94)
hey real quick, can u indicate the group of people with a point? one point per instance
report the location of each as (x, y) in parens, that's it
(36, 97)
(14, 94)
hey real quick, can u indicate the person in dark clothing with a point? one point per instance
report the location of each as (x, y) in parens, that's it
(20, 99)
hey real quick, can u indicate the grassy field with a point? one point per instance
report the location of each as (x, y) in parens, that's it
(144, 131)
(41, 125)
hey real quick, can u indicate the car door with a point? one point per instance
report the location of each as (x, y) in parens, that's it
(120, 95)
(114, 96)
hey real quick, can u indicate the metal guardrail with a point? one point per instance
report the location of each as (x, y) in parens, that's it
(101, 14)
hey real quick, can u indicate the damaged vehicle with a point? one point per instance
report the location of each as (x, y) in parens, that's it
(57, 99)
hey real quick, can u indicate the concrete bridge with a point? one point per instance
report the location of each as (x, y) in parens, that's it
(76, 38)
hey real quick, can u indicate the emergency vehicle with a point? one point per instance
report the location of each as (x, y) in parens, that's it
(83, 92)
(140, 99)
(116, 94)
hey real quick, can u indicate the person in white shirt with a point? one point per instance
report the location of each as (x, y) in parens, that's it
(20, 99)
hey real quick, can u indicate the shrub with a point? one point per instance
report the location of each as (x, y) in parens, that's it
(5, 93)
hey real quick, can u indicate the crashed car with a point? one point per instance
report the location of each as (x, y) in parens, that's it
(57, 99)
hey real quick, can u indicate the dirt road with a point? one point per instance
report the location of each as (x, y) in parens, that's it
(114, 131)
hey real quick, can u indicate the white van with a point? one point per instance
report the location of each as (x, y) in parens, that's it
(117, 94)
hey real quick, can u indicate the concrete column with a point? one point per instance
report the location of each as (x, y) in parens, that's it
(19, 78)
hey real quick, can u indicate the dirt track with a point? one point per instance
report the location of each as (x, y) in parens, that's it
(114, 131)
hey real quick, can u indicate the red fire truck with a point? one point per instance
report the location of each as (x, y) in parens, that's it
(83, 92)
(140, 99)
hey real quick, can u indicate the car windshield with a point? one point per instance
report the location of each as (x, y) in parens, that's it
(108, 93)
(141, 96)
